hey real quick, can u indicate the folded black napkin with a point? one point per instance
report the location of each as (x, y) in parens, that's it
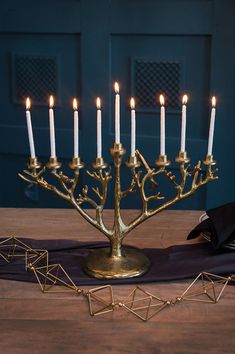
(220, 225)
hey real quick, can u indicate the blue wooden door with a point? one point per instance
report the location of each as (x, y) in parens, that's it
(79, 48)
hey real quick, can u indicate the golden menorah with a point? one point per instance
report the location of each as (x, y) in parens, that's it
(117, 261)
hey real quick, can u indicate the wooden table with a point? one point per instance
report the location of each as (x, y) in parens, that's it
(33, 322)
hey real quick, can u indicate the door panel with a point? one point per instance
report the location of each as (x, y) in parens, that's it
(176, 64)
(36, 65)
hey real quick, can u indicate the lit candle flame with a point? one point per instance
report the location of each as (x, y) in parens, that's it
(185, 99)
(28, 103)
(51, 101)
(75, 104)
(213, 101)
(162, 100)
(132, 103)
(116, 87)
(98, 103)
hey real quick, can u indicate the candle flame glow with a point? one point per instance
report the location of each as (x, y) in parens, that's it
(132, 103)
(51, 101)
(116, 87)
(213, 101)
(28, 103)
(162, 100)
(98, 103)
(75, 104)
(185, 99)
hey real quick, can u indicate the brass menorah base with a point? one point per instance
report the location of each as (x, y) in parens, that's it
(132, 263)
(116, 261)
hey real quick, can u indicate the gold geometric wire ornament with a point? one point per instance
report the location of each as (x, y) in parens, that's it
(35, 257)
(51, 275)
(206, 287)
(10, 245)
(143, 304)
(100, 300)
(116, 261)
(6, 249)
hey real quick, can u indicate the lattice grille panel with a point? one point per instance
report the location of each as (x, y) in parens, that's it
(155, 77)
(34, 76)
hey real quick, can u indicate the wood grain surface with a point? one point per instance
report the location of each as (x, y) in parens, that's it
(33, 322)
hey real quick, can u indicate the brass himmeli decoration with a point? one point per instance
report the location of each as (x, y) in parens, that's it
(140, 303)
(53, 274)
(206, 287)
(36, 257)
(118, 261)
(105, 303)
(143, 304)
(13, 247)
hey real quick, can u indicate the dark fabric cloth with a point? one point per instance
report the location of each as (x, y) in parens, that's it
(220, 225)
(175, 262)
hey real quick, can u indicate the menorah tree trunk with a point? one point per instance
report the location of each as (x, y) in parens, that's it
(116, 241)
(116, 246)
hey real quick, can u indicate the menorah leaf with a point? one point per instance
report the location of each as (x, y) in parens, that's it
(108, 173)
(171, 177)
(85, 190)
(157, 196)
(94, 175)
(153, 182)
(65, 178)
(131, 189)
(97, 192)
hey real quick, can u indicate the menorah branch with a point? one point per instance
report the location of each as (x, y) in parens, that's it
(197, 181)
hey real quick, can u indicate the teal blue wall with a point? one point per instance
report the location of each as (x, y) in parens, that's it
(95, 43)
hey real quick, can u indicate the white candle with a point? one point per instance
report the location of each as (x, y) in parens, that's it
(117, 113)
(212, 126)
(133, 127)
(99, 132)
(52, 127)
(183, 123)
(75, 131)
(30, 130)
(162, 125)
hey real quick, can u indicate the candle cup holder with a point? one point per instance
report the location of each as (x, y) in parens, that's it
(99, 163)
(133, 162)
(53, 163)
(182, 157)
(76, 163)
(118, 150)
(162, 161)
(117, 261)
(209, 161)
(33, 164)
